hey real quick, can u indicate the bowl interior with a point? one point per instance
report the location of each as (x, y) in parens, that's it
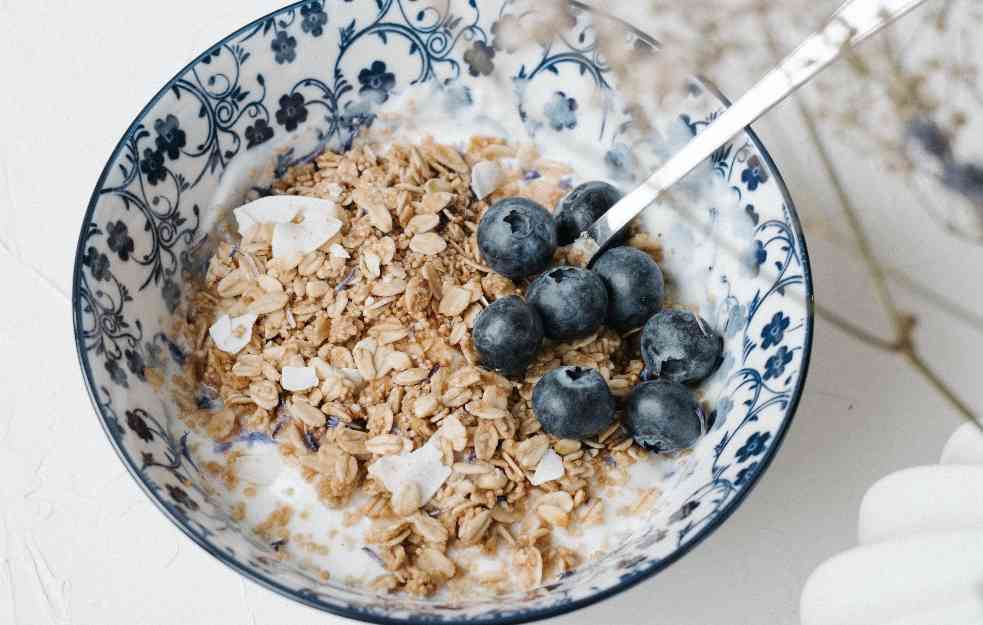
(308, 78)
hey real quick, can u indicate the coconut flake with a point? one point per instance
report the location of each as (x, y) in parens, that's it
(353, 375)
(314, 231)
(337, 251)
(300, 224)
(278, 209)
(486, 178)
(549, 468)
(298, 378)
(454, 431)
(422, 467)
(232, 334)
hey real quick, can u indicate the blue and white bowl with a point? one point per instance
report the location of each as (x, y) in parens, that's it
(308, 78)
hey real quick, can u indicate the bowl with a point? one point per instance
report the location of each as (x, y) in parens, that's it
(307, 78)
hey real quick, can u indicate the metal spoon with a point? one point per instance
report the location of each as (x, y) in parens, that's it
(853, 22)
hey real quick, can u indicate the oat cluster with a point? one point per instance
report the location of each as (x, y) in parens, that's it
(383, 312)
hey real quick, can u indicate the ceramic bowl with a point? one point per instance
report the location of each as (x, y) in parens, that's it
(308, 78)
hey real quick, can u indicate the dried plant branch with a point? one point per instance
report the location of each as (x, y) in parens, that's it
(943, 302)
(848, 327)
(944, 389)
(904, 323)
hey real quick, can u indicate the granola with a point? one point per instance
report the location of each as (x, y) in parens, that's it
(359, 352)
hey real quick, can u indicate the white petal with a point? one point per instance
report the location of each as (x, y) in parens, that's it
(298, 378)
(486, 178)
(549, 468)
(232, 334)
(422, 467)
(337, 251)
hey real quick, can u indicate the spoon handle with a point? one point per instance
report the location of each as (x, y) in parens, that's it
(853, 22)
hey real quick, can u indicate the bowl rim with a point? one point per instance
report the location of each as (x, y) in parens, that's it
(515, 618)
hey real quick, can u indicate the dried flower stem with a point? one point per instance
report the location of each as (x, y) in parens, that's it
(903, 279)
(854, 330)
(904, 323)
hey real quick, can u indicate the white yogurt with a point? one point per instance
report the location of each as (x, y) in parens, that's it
(411, 117)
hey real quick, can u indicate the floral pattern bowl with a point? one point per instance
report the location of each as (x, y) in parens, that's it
(308, 78)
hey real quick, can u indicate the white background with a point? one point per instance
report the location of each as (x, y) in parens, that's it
(80, 544)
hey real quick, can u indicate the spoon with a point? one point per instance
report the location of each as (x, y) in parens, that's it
(853, 22)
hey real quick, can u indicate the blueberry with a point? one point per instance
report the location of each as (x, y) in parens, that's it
(571, 301)
(517, 237)
(573, 402)
(582, 207)
(635, 286)
(677, 346)
(664, 416)
(507, 335)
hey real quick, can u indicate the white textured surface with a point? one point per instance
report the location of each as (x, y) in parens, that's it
(80, 545)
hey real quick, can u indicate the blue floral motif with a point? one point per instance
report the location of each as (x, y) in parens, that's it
(259, 132)
(684, 512)
(758, 255)
(98, 264)
(181, 497)
(752, 215)
(284, 47)
(138, 425)
(755, 446)
(314, 18)
(620, 162)
(152, 166)
(376, 82)
(134, 362)
(754, 174)
(745, 474)
(171, 293)
(119, 239)
(561, 112)
(774, 331)
(170, 137)
(116, 373)
(292, 111)
(154, 355)
(479, 59)
(775, 366)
